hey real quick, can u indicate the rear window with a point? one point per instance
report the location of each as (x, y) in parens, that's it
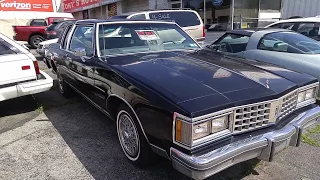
(142, 37)
(38, 22)
(183, 18)
(52, 26)
(7, 48)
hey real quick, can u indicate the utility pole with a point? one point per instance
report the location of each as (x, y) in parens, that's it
(204, 13)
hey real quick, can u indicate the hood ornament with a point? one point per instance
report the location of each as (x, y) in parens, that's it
(267, 83)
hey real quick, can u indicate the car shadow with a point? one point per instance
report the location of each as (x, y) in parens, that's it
(16, 112)
(17, 106)
(92, 137)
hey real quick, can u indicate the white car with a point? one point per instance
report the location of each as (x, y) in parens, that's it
(306, 26)
(19, 71)
(189, 20)
(41, 48)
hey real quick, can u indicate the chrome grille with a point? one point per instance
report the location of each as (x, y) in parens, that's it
(251, 117)
(288, 104)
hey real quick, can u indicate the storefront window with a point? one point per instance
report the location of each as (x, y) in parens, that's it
(85, 14)
(246, 13)
(175, 3)
(217, 11)
(270, 5)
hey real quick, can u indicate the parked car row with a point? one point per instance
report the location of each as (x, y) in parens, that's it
(248, 95)
(36, 31)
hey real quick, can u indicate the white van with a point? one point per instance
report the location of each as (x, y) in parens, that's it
(189, 20)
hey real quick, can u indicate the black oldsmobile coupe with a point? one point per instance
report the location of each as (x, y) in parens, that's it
(202, 111)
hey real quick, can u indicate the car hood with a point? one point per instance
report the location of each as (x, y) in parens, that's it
(202, 81)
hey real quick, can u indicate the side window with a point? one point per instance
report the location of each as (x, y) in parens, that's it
(232, 43)
(63, 38)
(4, 49)
(139, 16)
(289, 42)
(274, 42)
(309, 29)
(82, 37)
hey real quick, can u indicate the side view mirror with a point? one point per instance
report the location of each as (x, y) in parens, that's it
(80, 52)
(213, 46)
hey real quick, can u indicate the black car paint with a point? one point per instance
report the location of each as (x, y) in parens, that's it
(158, 84)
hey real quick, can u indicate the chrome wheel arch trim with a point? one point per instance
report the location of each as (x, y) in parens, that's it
(155, 149)
(135, 114)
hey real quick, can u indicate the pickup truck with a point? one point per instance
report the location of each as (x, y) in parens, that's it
(20, 74)
(35, 32)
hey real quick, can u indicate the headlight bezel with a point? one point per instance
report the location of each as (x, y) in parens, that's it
(303, 91)
(189, 141)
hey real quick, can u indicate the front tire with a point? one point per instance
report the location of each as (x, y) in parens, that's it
(64, 88)
(131, 138)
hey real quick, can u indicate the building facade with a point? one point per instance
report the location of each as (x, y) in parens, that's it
(232, 13)
(303, 8)
(240, 13)
(103, 9)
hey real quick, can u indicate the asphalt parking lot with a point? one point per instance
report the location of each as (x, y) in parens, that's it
(46, 136)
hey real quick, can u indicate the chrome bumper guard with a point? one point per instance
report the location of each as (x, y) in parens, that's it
(263, 147)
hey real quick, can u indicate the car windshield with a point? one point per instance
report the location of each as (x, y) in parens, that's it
(289, 42)
(123, 38)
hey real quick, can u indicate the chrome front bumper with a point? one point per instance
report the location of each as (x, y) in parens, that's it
(263, 147)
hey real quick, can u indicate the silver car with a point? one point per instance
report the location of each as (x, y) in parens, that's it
(281, 47)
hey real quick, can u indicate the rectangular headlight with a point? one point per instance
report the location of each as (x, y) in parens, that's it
(306, 96)
(220, 124)
(201, 130)
(190, 132)
(301, 97)
(310, 94)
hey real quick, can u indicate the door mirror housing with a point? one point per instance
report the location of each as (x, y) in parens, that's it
(213, 46)
(79, 52)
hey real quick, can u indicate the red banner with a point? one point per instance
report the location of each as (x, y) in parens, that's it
(77, 5)
(26, 5)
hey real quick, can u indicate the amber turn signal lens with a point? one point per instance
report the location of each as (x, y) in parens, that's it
(178, 130)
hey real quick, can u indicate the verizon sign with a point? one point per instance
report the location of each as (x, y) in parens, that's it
(26, 5)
